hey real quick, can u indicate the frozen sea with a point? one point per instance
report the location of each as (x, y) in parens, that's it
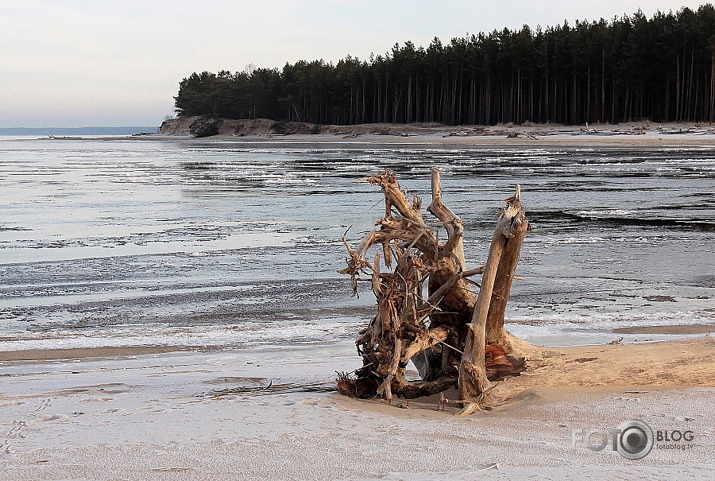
(125, 242)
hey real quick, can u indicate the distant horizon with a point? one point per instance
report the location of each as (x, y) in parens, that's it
(127, 126)
(88, 130)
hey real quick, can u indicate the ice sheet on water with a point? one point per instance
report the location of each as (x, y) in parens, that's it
(239, 335)
(607, 213)
(179, 222)
(598, 328)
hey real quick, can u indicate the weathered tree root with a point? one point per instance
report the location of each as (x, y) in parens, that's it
(446, 333)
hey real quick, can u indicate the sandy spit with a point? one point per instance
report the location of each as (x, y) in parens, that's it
(640, 134)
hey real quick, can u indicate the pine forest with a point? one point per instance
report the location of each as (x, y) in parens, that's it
(627, 69)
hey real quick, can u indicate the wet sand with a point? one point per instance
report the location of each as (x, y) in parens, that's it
(74, 354)
(125, 351)
(687, 329)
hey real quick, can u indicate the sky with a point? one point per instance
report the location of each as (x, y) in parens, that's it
(79, 63)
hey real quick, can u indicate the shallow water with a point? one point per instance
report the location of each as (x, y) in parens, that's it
(128, 242)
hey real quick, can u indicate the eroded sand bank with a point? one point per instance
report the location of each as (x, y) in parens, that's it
(634, 134)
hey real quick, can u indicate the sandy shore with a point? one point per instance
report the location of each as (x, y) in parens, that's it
(269, 414)
(74, 354)
(635, 134)
(165, 413)
(668, 330)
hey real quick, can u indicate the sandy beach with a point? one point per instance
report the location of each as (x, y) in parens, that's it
(271, 413)
(247, 254)
(641, 134)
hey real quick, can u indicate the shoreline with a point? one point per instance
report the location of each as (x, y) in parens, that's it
(683, 329)
(267, 412)
(609, 364)
(41, 355)
(633, 134)
(77, 353)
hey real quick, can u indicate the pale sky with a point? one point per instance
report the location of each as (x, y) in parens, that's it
(77, 63)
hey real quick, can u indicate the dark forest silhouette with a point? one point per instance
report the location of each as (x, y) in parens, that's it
(630, 68)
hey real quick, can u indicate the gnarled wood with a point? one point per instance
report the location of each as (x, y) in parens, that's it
(472, 371)
(443, 334)
(499, 270)
(495, 332)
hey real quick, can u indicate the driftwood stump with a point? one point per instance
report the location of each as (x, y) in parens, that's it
(453, 336)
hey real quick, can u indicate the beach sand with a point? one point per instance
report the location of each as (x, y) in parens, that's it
(269, 413)
(631, 134)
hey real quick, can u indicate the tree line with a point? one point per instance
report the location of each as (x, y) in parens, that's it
(627, 69)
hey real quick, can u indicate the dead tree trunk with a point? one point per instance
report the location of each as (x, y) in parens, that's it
(487, 325)
(513, 239)
(445, 333)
